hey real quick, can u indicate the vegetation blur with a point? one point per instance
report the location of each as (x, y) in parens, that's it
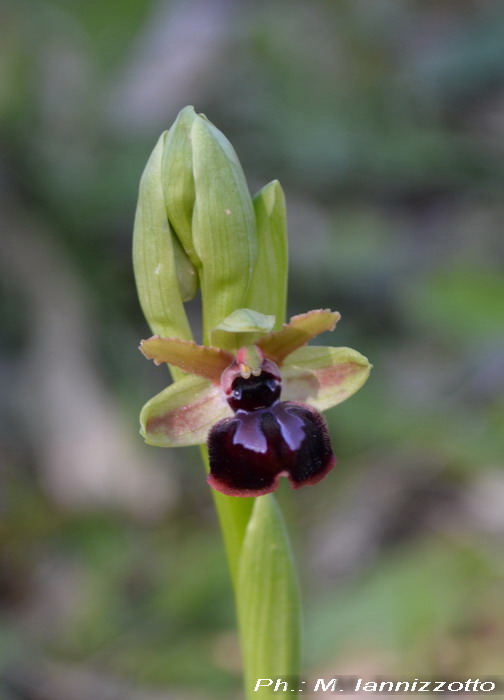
(384, 122)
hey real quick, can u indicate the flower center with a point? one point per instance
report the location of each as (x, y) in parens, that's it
(252, 393)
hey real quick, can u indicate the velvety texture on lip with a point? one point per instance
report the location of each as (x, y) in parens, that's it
(250, 451)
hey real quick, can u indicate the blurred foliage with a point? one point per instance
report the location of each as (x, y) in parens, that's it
(384, 123)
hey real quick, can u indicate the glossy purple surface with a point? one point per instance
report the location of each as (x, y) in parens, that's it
(266, 438)
(250, 451)
(254, 393)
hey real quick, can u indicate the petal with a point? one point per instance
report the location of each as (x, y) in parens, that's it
(297, 332)
(323, 376)
(183, 413)
(205, 361)
(251, 451)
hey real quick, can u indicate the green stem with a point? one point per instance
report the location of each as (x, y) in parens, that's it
(265, 587)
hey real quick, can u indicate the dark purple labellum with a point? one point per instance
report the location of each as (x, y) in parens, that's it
(266, 439)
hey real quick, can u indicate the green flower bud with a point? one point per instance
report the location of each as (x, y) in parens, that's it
(178, 180)
(210, 208)
(164, 275)
(268, 291)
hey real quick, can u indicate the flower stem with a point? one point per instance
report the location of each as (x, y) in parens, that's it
(265, 587)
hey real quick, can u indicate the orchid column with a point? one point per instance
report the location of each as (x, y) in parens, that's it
(197, 226)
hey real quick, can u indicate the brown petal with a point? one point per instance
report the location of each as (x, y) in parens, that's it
(205, 361)
(300, 329)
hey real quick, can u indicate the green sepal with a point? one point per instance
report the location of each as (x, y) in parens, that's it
(246, 321)
(158, 269)
(323, 376)
(268, 291)
(267, 599)
(183, 413)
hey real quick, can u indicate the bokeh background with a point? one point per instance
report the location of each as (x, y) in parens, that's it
(384, 121)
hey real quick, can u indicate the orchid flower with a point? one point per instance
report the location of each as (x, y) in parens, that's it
(232, 402)
(254, 389)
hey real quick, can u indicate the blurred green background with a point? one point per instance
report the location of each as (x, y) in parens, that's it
(384, 121)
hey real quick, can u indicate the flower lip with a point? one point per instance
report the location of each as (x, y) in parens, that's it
(252, 450)
(266, 438)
